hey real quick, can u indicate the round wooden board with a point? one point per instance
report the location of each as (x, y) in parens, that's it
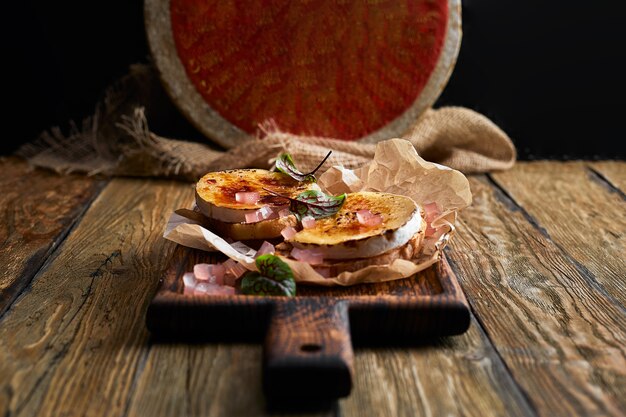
(349, 69)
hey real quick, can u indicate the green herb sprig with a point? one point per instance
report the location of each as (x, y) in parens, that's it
(285, 164)
(313, 203)
(274, 278)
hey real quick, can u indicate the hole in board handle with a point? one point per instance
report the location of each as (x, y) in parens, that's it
(311, 348)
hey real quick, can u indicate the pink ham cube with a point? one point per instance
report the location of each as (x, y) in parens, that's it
(205, 288)
(233, 270)
(309, 256)
(189, 283)
(247, 197)
(202, 288)
(264, 213)
(212, 273)
(201, 272)
(288, 232)
(369, 219)
(308, 222)
(431, 213)
(266, 247)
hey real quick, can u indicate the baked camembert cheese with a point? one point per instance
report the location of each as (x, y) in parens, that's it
(345, 243)
(255, 218)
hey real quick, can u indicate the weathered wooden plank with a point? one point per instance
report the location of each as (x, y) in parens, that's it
(459, 375)
(72, 345)
(579, 213)
(201, 380)
(37, 209)
(613, 171)
(562, 338)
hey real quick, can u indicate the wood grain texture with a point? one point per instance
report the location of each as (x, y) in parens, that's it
(548, 338)
(200, 380)
(579, 213)
(308, 337)
(308, 350)
(561, 337)
(454, 376)
(612, 171)
(37, 209)
(203, 380)
(71, 346)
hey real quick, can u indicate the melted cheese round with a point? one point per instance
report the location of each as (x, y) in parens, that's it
(342, 236)
(215, 192)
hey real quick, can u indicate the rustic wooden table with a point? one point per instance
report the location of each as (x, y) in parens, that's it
(540, 256)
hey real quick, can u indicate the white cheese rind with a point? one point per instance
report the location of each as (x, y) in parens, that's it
(223, 214)
(370, 246)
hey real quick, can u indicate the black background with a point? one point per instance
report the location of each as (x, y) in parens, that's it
(551, 74)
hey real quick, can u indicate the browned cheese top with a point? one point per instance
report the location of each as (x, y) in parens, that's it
(396, 210)
(219, 188)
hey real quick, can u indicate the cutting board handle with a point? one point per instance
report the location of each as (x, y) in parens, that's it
(308, 351)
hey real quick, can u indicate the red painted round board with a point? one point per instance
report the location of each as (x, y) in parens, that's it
(351, 69)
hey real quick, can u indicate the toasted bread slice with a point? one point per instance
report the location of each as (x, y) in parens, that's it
(341, 236)
(263, 230)
(215, 192)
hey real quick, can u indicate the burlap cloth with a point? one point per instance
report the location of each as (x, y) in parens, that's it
(117, 141)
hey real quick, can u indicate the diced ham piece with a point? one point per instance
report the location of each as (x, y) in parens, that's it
(202, 288)
(369, 219)
(217, 274)
(266, 247)
(251, 197)
(233, 271)
(309, 256)
(252, 217)
(226, 290)
(431, 213)
(288, 232)
(212, 273)
(284, 213)
(189, 283)
(201, 272)
(229, 264)
(206, 288)
(264, 213)
(308, 222)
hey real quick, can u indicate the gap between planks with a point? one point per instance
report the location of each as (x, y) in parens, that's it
(41, 208)
(51, 254)
(76, 339)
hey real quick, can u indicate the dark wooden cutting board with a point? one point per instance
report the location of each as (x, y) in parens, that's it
(308, 339)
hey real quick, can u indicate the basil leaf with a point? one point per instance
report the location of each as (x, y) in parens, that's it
(316, 204)
(285, 164)
(254, 283)
(313, 203)
(273, 267)
(274, 278)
